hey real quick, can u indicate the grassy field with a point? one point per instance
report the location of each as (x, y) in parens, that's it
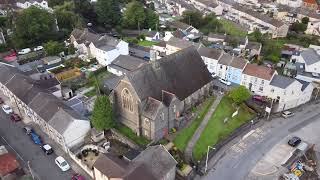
(232, 28)
(186, 134)
(140, 140)
(216, 129)
(146, 43)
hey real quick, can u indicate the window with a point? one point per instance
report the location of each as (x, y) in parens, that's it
(261, 88)
(146, 122)
(127, 102)
(262, 82)
(162, 116)
(174, 108)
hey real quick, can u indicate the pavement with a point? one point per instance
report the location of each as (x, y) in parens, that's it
(239, 157)
(197, 134)
(30, 156)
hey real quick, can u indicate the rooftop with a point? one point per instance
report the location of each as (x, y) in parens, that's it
(259, 71)
(281, 81)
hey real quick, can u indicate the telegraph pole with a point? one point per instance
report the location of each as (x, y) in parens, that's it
(30, 170)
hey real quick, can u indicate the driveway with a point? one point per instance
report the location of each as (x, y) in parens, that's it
(237, 159)
(43, 166)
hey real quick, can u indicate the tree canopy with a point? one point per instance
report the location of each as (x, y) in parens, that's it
(33, 27)
(134, 16)
(193, 18)
(66, 16)
(108, 12)
(102, 115)
(53, 48)
(239, 94)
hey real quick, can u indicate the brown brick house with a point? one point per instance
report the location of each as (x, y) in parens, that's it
(151, 99)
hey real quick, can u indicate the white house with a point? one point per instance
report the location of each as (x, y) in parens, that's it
(313, 28)
(288, 93)
(24, 4)
(290, 3)
(208, 6)
(223, 66)
(311, 58)
(210, 57)
(257, 78)
(102, 47)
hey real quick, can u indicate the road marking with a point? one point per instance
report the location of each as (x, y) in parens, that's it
(13, 149)
(248, 134)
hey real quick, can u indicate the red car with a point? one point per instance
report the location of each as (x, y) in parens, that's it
(77, 177)
(259, 98)
(1, 101)
(15, 117)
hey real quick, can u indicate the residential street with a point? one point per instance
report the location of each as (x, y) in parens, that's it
(43, 166)
(240, 156)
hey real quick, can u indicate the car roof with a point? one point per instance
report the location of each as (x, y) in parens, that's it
(47, 147)
(60, 159)
(5, 105)
(287, 112)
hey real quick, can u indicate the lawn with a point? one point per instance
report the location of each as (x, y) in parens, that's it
(146, 43)
(232, 28)
(217, 130)
(91, 93)
(186, 134)
(124, 130)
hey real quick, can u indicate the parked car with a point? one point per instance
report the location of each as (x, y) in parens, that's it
(24, 51)
(225, 82)
(287, 114)
(38, 48)
(35, 138)
(7, 109)
(15, 117)
(259, 98)
(78, 177)
(294, 141)
(47, 149)
(62, 164)
(214, 75)
(28, 130)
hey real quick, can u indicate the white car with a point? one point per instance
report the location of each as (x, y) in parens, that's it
(214, 75)
(38, 48)
(225, 82)
(62, 164)
(7, 109)
(24, 51)
(287, 114)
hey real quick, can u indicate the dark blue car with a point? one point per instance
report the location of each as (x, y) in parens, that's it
(35, 138)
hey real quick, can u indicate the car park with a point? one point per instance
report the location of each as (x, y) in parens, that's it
(62, 163)
(294, 141)
(24, 51)
(35, 138)
(38, 48)
(78, 177)
(225, 82)
(46, 148)
(287, 114)
(28, 130)
(15, 117)
(7, 109)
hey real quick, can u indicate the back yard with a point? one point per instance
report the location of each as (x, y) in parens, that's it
(232, 28)
(217, 130)
(186, 134)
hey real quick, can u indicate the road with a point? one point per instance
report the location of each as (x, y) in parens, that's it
(21, 145)
(238, 158)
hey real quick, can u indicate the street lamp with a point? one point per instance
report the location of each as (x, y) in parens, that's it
(205, 170)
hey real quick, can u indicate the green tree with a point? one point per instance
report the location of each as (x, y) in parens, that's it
(3, 21)
(108, 12)
(66, 16)
(134, 16)
(298, 27)
(257, 35)
(305, 20)
(152, 19)
(193, 18)
(33, 26)
(71, 49)
(53, 48)
(102, 115)
(239, 94)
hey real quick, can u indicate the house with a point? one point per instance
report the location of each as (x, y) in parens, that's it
(158, 51)
(124, 64)
(208, 6)
(175, 45)
(291, 3)
(311, 4)
(311, 58)
(43, 4)
(151, 99)
(235, 69)
(257, 78)
(223, 66)
(184, 31)
(140, 51)
(288, 93)
(210, 58)
(60, 122)
(154, 163)
(252, 20)
(148, 34)
(313, 28)
(102, 47)
(241, 42)
(177, 7)
(253, 49)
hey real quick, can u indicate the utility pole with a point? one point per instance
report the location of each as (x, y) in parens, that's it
(30, 170)
(206, 168)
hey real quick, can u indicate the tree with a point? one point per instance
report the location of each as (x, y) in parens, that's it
(108, 12)
(239, 94)
(102, 115)
(257, 35)
(53, 48)
(152, 19)
(193, 18)
(134, 16)
(33, 27)
(66, 17)
(305, 20)
(298, 27)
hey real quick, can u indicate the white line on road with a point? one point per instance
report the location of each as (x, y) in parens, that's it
(13, 149)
